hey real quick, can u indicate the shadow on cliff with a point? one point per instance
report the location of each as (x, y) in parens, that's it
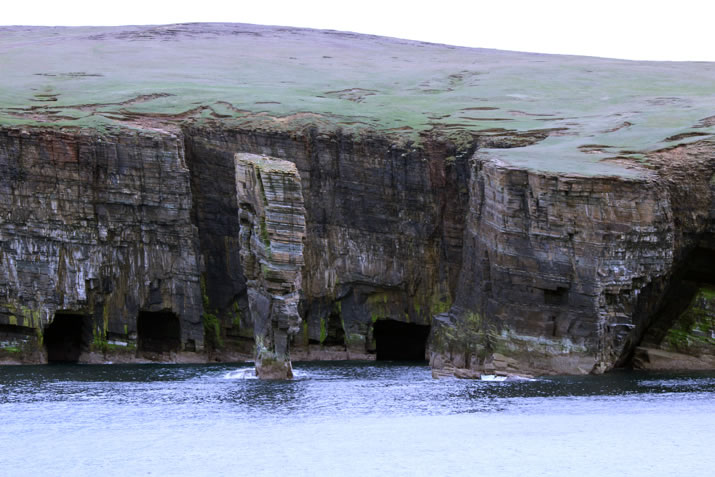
(696, 270)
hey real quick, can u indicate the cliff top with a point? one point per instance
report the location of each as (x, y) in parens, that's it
(578, 113)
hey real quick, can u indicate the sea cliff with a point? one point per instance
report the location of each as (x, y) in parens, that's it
(257, 206)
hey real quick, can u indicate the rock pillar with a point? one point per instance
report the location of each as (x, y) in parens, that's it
(271, 235)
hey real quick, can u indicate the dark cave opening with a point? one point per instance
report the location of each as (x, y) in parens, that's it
(698, 270)
(695, 271)
(398, 341)
(334, 333)
(700, 266)
(158, 332)
(64, 338)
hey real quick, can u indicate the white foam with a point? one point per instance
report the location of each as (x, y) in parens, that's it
(492, 377)
(250, 373)
(247, 373)
(298, 373)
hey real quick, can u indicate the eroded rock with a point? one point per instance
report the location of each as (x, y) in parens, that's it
(272, 231)
(686, 343)
(97, 226)
(563, 273)
(383, 231)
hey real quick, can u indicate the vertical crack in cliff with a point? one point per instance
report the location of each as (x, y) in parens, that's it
(225, 313)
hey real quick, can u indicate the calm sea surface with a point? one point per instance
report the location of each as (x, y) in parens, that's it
(354, 418)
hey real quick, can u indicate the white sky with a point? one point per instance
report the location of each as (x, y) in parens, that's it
(630, 29)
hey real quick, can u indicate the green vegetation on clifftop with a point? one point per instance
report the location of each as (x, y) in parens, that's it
(282, 78)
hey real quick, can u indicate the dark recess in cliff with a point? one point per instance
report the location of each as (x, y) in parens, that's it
(66, 337)
(397, 341)
(696, 271)
(215, 215)
(158, 332)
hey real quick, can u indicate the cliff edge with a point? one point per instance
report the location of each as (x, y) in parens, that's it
(224, 192)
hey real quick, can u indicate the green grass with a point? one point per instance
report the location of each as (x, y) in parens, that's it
(212, 330)
(11, 349)
(283, 78)
(694, 327)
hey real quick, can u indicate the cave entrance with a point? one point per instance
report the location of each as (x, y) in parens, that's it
(695, 272)
(398, 341)
(64, 338)
(158, 331)
(699, 266)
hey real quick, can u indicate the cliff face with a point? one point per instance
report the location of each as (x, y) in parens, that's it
(97, 228)
(383, 231)
(164, 241)
(563, 274)
(579, 232)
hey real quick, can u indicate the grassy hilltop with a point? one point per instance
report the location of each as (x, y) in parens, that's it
(591, 109)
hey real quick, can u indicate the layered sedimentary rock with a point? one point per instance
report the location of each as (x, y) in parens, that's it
(272, 231)
(96, 227)
(357, 214)
(372, 206)
(540, 272)
(563, 273)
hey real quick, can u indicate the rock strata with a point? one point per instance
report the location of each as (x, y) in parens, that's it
(239, 196)
(272, 231)
(562, 273)
(95, 227)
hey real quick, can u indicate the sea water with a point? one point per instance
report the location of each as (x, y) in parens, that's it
(350, 419)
